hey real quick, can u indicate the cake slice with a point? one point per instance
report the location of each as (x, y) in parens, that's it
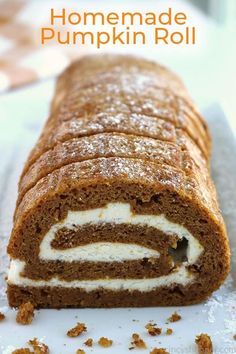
(180, 154)
(117, 208)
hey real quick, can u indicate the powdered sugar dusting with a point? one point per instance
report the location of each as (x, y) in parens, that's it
(223, 300)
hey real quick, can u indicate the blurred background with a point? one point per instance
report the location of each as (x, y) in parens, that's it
(223, 12)
(208, 68)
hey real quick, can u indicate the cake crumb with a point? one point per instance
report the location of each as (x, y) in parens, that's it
(25, 313)
(80, 351)
(204, 344)
(234, 337)
(39, 348)
(152, 260)
(2, 316)
(159, 351)
(137, 342)
(174, 317)
(105, 342)
(89, 342)
(77, 330)
(153, 330)
(169, 331)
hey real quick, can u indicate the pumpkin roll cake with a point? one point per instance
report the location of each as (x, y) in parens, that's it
(116, 206)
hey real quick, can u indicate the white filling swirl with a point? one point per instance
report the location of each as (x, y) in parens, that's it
(115, 213)
(179, 276)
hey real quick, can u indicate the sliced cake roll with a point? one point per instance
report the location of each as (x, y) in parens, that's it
(116, 205)
(109, 102)
(180, 154)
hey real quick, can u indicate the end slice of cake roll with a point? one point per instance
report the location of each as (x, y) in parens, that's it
(116, 204)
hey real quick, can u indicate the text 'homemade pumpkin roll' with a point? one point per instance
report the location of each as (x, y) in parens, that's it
(116, 206)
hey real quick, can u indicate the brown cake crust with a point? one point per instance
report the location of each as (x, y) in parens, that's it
(121, 130)
(150, 101)
(180, 155)
(74, 297)
(127, 170)
(139, 91)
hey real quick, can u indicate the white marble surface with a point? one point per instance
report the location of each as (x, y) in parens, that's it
(208, 68)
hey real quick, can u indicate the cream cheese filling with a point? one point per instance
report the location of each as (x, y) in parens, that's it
(101, 251)
(116, 213)
(179, 276)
